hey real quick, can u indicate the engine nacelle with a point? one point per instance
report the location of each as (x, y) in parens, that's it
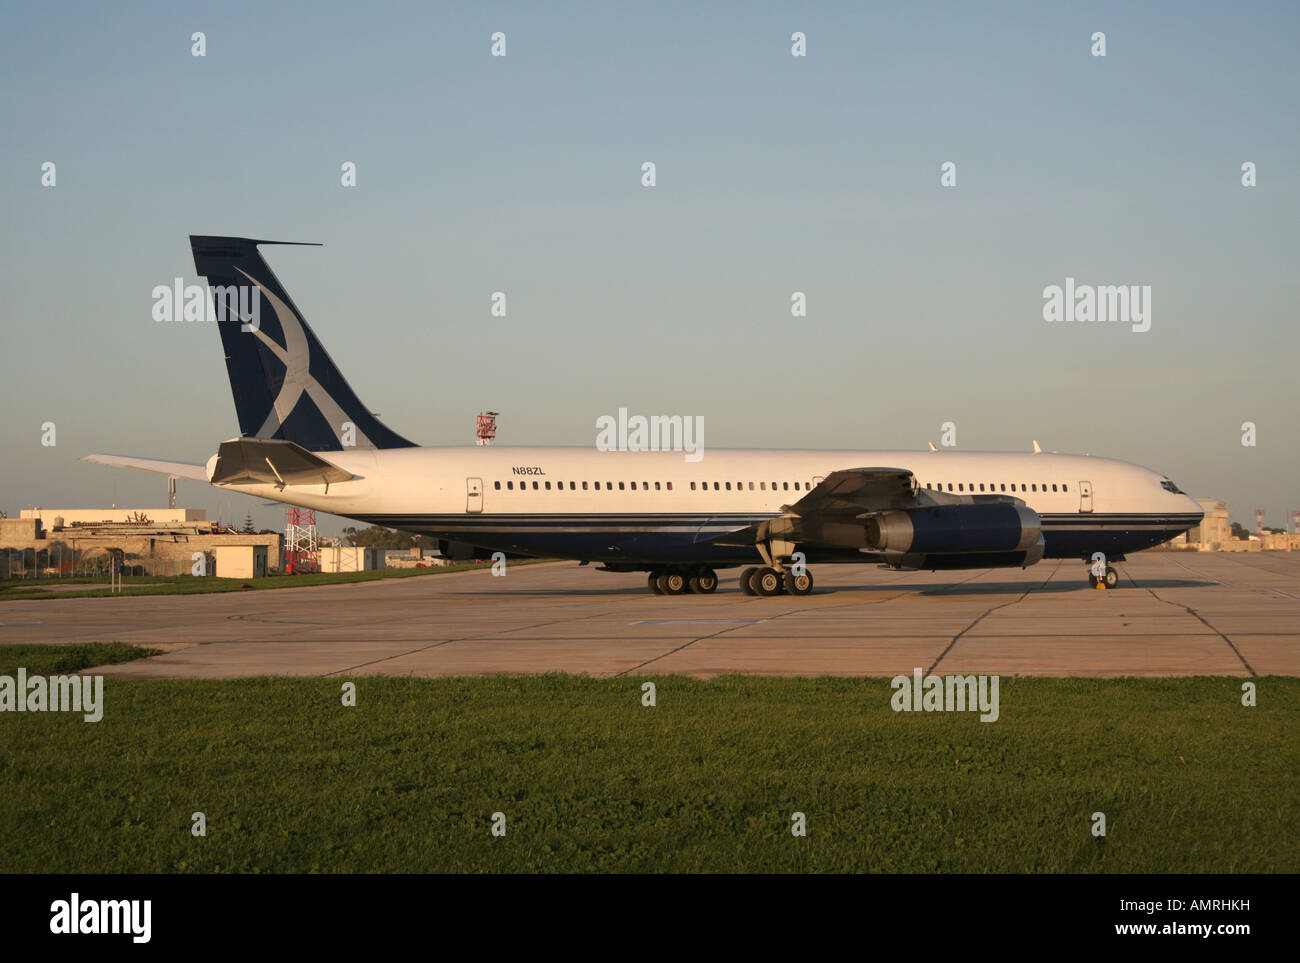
(955, 530)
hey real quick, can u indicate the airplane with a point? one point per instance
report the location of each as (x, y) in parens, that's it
(307, 440)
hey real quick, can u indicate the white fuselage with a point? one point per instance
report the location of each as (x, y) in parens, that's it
(514, 497)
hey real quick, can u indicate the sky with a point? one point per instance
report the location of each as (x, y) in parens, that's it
(775, 174)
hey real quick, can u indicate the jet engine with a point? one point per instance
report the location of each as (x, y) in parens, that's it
(957, 536)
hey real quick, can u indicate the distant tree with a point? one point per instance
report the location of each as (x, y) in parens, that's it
(1238, 531)
(248, 524)
(377, 536)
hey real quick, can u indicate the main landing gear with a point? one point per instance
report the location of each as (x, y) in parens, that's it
(766, 580)
(701, 581)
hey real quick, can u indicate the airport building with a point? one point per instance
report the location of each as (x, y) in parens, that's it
(45, 543)
(1214, 534)
(57, 519)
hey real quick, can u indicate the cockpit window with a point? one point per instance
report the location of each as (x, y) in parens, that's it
(1169, 486)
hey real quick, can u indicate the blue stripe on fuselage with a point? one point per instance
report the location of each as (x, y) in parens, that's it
(672, 538)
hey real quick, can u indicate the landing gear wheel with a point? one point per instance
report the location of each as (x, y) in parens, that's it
(654, 583)
(705, 582)
(746, 585)
(1111, 577)
(799, 584)
(768, 581)
(674, 583)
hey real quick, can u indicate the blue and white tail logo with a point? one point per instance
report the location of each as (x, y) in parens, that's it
(284, 384)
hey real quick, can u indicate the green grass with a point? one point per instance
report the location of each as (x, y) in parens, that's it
(40, 659)
(26, 589)
(590, 780)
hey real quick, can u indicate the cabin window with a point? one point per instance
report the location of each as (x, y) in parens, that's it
(670, 485)
(1053, 488)
(645, 486)
(1034, 487)
(751, 486)
(786, 486)
(981, 486)
(609, 486)
(728, 486)
(692, 486)
(584, 486)
(573, 486)
(961, 487)
(621, 487)
(1065, 488)
(717, 486)
(656, 486)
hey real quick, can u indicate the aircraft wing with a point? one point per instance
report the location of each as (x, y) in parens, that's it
(839, 499)
(179, 469)
(855, 491)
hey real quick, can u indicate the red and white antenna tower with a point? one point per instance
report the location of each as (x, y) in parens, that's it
(487, 427)
(301, 551)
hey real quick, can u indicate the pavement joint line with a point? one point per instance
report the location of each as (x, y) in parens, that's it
(1023, 595)
(1193, 571)
(434, 645)
(1197, 615)
(684, 645)
(1256, 568)
(470, 638)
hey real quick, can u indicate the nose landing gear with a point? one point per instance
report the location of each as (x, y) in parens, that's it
(1101, 574)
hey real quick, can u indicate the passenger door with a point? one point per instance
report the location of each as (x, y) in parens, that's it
(473, 495)
(1085, 496)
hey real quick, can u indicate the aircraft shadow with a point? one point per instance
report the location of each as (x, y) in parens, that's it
(912, 588)
(1005, 588)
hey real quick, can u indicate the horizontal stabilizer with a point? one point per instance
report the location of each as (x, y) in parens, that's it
(179, 469)
(250, 461)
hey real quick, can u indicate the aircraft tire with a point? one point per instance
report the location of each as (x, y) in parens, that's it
(768, 581)
(799, 584)
(673, 583)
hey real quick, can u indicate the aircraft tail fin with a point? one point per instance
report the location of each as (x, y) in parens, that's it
(285, 386)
